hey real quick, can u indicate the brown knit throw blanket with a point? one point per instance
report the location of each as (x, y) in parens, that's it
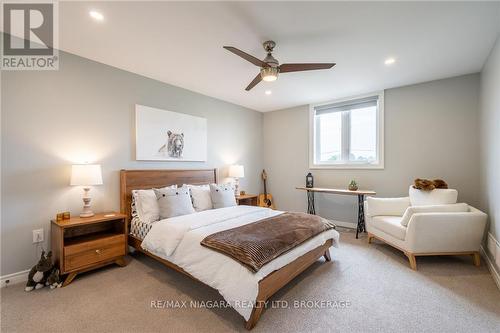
(256, 244)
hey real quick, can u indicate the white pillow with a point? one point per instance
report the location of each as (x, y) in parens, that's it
(387, 206)
(174, 202)
(453, 208)
(146, 204)
(222, 195)
(438, 196)
(200, 194)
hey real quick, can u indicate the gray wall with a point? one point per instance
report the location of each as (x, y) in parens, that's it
(85, 112)
(490, 139)
(431, 131)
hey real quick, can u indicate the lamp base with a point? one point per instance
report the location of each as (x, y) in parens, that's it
(236, 186)
(86, 212)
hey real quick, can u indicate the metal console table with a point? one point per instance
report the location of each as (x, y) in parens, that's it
(361, 198)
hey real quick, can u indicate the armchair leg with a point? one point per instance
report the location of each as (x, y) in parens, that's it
(412, 260)
(477, 259)
(370, 237)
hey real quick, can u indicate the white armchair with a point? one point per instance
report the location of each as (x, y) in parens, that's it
(426, 223)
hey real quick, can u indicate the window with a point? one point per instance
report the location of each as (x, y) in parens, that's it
(348, 133)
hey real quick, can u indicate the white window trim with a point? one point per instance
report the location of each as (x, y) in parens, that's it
(380, 136)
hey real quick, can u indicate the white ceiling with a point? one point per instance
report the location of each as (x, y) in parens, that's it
(181, 44)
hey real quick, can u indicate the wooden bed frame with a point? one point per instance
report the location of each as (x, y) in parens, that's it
(146, 179)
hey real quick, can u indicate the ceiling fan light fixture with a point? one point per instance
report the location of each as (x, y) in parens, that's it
(269, 74)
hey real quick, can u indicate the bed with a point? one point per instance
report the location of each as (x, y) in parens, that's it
(202, 264)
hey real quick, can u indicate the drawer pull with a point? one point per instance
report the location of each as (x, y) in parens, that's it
(98, 251)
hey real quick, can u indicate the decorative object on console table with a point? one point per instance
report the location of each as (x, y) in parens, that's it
(309, 180)
(236, 171)
(247, 199)
(266, 199)
(86, 175)
(353, 186)
(81, 244)
(361, 198)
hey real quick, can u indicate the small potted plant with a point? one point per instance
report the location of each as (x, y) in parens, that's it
(353, 186)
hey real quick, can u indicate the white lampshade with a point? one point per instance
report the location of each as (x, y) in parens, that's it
(86, 174)
(236, 171)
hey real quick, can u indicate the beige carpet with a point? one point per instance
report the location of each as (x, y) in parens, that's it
(445, 295)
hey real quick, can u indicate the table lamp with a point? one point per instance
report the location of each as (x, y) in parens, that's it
(236, 171)
(86, 175)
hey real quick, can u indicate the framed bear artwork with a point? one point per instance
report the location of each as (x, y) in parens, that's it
(162, 135)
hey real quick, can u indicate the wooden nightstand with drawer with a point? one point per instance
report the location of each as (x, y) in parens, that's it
(81, 244)
(247, 199)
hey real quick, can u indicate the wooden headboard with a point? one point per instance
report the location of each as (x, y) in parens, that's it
(147, 179)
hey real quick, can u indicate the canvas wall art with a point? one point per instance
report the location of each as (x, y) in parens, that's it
(169, 136)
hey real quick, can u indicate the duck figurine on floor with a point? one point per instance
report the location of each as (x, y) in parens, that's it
(38, 275)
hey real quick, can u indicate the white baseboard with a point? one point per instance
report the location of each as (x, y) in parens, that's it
(13, 278)
(492, 255)
(343, 224)
(491, 266)
(493, 247)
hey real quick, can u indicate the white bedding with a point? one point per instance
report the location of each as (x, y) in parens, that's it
(178, 240)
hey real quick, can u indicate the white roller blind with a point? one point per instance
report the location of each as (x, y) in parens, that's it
(347, 105)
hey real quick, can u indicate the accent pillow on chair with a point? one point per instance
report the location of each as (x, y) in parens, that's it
(435, 197)
(174, 202)
(453, 208)
(222, 195)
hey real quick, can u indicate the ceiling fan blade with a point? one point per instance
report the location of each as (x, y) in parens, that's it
(286, 68)
(246, 56)
(254, 82)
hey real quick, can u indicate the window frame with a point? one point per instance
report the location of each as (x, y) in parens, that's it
(379, 164)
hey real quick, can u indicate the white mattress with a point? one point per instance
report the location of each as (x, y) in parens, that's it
(178, 240)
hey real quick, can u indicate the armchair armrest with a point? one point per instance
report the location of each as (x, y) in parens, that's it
(446, 232)
(386, 206)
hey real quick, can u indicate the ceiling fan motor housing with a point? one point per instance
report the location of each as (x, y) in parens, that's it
(271, 61)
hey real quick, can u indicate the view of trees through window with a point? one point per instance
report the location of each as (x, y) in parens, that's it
(330, 136)
(347, 136)
(363, 134)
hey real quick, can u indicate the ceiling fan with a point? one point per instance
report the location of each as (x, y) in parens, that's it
(270, 67)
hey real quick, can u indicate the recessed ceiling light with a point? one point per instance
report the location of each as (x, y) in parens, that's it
(389, 61)
(96, 15)
(268, 92)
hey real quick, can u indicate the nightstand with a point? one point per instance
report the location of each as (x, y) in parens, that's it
(247, 199)
(81, 244)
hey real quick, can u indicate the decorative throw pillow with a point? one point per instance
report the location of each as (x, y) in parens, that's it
(174, 202)
(452, 208)
(200, 194)
(222, 195)
(147, 204)
(437, 196)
